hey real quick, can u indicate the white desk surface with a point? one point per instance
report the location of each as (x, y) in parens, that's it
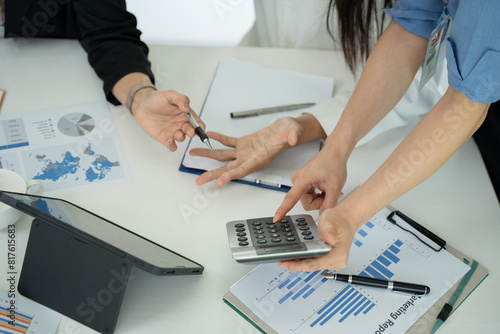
(457, 203)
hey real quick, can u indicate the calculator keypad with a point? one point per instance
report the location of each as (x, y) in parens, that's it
(260, 240)
(263, 232)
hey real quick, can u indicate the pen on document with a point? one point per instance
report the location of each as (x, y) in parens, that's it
(270, 110)
(395, 286)
(203, 136)
(263, 182)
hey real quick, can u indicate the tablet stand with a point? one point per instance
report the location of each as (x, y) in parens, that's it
(73, 277)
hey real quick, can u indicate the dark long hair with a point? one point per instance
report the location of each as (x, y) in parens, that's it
(356, 18)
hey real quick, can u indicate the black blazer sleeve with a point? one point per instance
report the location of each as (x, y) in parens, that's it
(110, 36)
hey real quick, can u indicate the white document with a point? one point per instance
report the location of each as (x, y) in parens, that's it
(71, 148)
(303, 302)
(21, 315)
(240, 85)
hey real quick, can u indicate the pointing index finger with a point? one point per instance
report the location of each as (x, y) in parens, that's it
(291, 198)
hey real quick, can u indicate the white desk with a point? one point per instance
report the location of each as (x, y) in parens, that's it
(457, 203)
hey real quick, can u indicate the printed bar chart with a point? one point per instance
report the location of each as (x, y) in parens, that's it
(301, 284)
(347, 302)
(21, 323)
(379, 267)
(306, 302)
(362, 233)
(23, 316)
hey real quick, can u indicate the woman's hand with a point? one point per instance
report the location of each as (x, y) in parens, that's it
(334, 228)
(318, 184)
(249, 153)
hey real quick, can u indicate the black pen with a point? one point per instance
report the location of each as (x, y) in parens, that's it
(203, 136)
(395, 286)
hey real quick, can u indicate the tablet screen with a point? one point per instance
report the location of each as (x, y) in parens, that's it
(62, 212)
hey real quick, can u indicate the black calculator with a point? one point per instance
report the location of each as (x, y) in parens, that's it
(260, 240)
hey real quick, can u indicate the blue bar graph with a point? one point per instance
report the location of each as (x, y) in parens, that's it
(383, 269)
(382, 259)
(362, 233)
(301, 284)
(379, 267)
(297, 280)
(288, 280)
(349, 308)
(348, 302)
(357, 242)
(369, 308)
(363, 304)
(394, 249)
(391, 256)
(308, 278)
(316, 283)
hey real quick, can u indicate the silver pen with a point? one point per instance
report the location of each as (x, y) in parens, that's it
(203, 136)
(270, 110)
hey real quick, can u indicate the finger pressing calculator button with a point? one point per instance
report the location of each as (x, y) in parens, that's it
(242, 239)
(276, 240)
(306, 233)
(243, 243)
(309, 237)
(240, 229)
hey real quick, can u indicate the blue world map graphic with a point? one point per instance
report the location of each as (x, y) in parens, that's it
(71, 165)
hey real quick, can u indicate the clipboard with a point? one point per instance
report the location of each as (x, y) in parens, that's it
(239, 85)
(435, 316)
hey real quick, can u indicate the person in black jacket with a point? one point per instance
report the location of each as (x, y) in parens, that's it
(109, 35)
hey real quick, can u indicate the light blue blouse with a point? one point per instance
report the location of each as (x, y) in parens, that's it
(473, 46)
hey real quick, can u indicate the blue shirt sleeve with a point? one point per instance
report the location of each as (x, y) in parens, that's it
(419, 17)
(473, 50)
(473, 46)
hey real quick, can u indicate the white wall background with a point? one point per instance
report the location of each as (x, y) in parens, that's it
(193, 22)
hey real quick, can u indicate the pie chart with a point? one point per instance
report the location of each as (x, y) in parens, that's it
(76, 124)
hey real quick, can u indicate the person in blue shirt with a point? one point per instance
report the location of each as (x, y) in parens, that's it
(473, 56)
(473, 64)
